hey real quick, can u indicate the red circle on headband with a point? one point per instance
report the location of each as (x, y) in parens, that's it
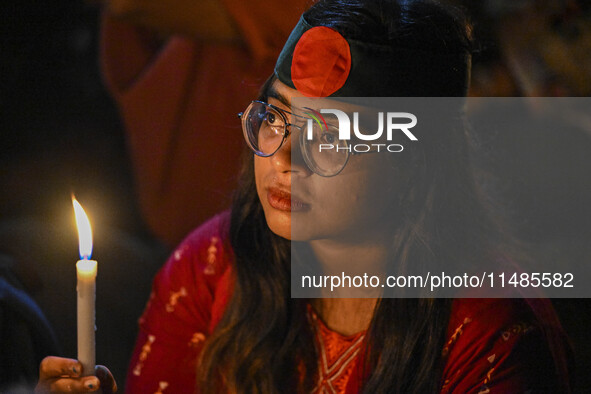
(321, 62)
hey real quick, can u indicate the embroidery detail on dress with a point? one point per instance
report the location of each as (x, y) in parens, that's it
(484, 390)
(142, 318)
(178, 254)
(491, 359)
(516, 329)
(454, 337)
(332, 374)
(161, 387)
(174, 299)
(445, 387)
(146, 349)
(196, 339)
(488, 376)
(211, 256)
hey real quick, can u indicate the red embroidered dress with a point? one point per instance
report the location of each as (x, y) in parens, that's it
(493, 346)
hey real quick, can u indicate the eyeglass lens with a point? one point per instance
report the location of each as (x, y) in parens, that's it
(265, 127)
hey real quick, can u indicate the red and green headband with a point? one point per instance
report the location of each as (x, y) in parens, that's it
(319, 62)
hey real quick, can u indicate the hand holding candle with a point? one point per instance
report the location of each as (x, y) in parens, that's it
(86, 272)
(57, 374)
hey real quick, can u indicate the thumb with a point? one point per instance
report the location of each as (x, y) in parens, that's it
(108, 384)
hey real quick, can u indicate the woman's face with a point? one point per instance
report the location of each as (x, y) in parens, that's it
(358, 203)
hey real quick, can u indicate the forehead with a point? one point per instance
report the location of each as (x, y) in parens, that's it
(296, 102)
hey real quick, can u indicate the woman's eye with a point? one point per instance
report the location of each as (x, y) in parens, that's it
(272, 119)
(327, 138)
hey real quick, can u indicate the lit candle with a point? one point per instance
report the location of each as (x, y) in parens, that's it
(86, 273)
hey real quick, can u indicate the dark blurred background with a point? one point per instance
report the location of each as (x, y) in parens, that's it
(60, 133)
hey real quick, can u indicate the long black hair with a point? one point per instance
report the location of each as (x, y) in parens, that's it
(264, 343)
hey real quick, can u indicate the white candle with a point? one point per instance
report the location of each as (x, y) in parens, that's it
(86, 273)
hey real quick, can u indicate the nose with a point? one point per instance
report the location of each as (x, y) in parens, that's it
(289, 156)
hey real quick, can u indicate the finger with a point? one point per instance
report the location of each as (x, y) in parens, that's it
(53, 367)
(108, 383)
(79, 385)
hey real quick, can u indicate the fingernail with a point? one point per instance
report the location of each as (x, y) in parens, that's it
(91, 383)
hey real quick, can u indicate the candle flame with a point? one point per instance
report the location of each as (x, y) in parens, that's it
(84, 230)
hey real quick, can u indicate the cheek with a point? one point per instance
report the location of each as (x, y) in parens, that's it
(363, 199)
(339, 204)
(259, 171)
(384, 189)
(279, 222)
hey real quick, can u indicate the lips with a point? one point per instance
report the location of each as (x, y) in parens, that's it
(283, 201)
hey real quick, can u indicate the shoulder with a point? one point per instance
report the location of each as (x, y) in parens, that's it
(501, 344)
(205, 252)
(188, 294)
(196, 280)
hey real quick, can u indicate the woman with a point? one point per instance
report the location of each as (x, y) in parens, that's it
(221, 315)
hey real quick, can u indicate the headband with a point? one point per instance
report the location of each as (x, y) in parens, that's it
(319, 62)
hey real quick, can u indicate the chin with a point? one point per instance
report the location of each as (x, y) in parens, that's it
(298, 232)
(279, 223)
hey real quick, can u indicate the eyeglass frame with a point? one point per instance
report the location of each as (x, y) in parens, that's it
(287, 133)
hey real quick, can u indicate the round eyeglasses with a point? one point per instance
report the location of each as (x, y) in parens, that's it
(265, 129)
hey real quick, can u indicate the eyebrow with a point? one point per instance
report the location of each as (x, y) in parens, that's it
(272, 92)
